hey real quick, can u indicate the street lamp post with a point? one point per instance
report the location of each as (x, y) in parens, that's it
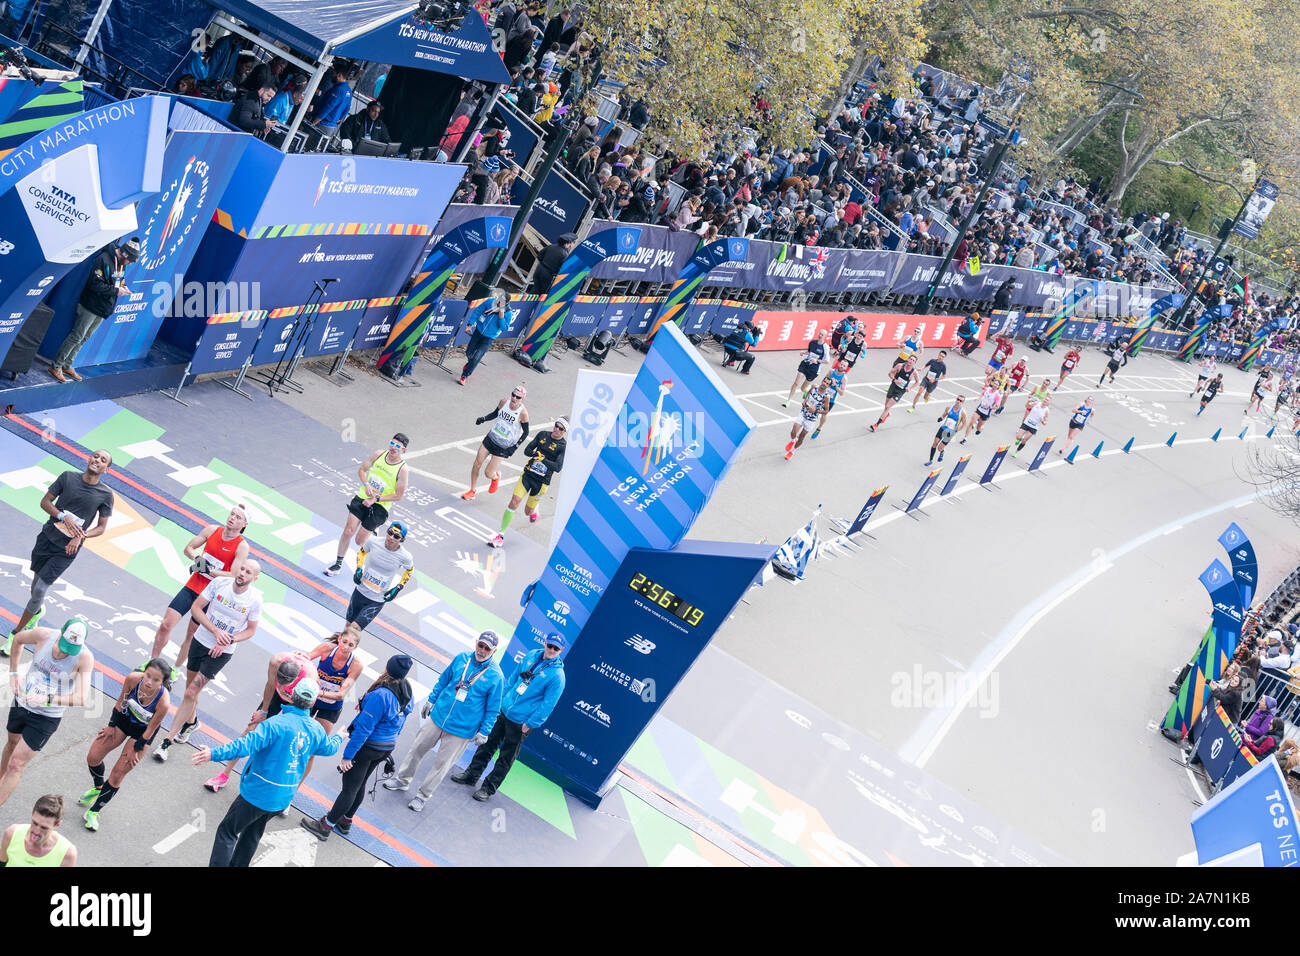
(1223, 241)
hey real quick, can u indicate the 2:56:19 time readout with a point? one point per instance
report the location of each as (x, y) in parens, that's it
(666, 599)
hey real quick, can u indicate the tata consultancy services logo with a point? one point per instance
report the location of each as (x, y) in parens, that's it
(559, 613)
(175, 214)
(659, 437)
(324, 180)
(593, 712)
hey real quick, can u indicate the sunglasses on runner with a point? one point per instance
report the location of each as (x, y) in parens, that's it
(396, 444)
(515, 395)
(396, 534)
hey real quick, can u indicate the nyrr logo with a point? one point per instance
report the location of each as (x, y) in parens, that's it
(593, 711)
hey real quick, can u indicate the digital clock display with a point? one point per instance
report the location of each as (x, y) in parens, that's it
(666, 599)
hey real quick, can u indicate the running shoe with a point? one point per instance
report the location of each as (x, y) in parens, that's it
(941, 456)
(416, 804)
(92, 820)
(88, 797)
(216, 783)
(461, 380)
(161, 753)
(910, 410)
(392, 783)
(786, 403)
(789, 446)
(174, 676)
(469, 495)
(816, 433)
(497, 542)
(8, 644)
(871, 428)
(789, 455)
(494, 484)
(532, 518)
(928, 461)
(334, 568)
(184, 735)
(962, 442)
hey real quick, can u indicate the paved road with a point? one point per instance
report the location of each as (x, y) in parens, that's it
(1012, 643)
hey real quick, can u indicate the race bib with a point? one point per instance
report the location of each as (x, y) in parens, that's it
(538, 468)
(375, 484)
(502, 431)
(70, 525)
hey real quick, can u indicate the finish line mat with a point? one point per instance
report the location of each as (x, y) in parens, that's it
(714, 780)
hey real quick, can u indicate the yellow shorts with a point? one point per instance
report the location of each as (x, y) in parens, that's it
(522, 492)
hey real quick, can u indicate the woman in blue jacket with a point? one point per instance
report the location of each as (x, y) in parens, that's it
(372, 736)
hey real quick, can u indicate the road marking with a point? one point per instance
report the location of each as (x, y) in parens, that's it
(179, 836)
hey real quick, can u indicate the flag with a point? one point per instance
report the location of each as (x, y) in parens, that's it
(1245, 291)
(780, 256)
(792, 558)
(974, 265)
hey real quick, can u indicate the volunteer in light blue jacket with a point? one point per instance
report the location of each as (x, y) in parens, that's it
(371, 737)
(277, 750)
(527, 700)
(487, 322)
(463, 705)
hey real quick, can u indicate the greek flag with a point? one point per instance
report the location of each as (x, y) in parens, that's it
(792, 558)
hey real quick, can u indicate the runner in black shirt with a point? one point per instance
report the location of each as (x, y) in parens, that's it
(1210, 391)
(935, 370)
(810, 365)
(900, 379)
(853, 349)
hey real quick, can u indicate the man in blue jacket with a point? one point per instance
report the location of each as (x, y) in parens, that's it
(527, 700)
(334, 105)
(488, 321)
(278, 750)
(463, 705)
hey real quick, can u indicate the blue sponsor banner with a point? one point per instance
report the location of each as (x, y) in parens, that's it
(727, 315)
(659, 257)
(698, 317)
(446, 322)
(1041, 456)
(559, 208)
(867, 511)
(1256, 808)
(674, 440)
(280, 332)
(415, 42)
(459, 213)
(951, 483)
(335, 329)
(523, 140)
(225, 343)
(994, 464)
(314, 188)
(1241, 553)
(924, 490)
(196, 170)
(586, 315)
(1219, 743)
(645, 633)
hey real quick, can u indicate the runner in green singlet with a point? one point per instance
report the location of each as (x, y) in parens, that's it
(383, 480)
(38, 843)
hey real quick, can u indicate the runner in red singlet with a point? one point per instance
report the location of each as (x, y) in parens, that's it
(1068, 365)
(216, 552)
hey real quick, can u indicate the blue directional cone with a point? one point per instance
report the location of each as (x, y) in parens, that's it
(1242, 436)
(1170, 443)
(1096, 452)
(1269, 433)
(1073, 451)
(1128, 445)
(1215, 436)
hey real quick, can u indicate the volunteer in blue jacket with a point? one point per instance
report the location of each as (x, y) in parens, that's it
(278, 750)
(487, 322)
(527, 700)
(462, 706)
(372, 735)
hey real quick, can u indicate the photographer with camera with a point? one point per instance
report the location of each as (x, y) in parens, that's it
(218, 551)
(372, 735)
(737, 346)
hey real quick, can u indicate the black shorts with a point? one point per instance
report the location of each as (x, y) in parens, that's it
(49, 559)
(983, 415)
(1077, 426)
(199, 661)
(362, 609)
(494, 449)
(895, 393)
(809, 370)
(183, 601)
(1032, 429)
(944, 435)
(36, 729)
(127, 724)
(1202, 378)
(929, 384)
(1112, 366)
(1208, 397)
(372, 518)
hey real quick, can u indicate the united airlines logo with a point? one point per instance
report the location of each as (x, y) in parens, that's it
(659, 437)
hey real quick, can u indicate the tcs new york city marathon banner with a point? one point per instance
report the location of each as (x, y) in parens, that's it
(67, 191)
